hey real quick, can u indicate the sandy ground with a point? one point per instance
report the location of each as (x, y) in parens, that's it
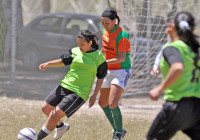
(131, 108)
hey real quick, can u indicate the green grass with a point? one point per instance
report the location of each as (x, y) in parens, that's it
(86, 124)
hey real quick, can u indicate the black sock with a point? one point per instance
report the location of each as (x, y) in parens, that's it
(61, 125)
(42, 135)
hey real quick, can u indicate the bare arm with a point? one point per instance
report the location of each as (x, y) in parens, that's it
(121, 58)
(53, 63)
(174, 73)
(96, 91)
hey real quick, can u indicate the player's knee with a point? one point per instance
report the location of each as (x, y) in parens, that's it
(113, 105)
(45, 109)
(54, 115)
(102, 104)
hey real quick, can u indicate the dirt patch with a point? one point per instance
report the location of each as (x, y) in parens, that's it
(131, 108)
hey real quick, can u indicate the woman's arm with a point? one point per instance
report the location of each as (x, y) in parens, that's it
(53, 63)
(96, 91)
(174, 73)
(121, 58)
(101, 73)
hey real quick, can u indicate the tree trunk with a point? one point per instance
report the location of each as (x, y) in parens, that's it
(46, 6)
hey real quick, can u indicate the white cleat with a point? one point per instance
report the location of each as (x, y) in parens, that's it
(60, 131)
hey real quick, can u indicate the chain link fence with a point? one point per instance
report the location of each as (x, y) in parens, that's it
(32, 32)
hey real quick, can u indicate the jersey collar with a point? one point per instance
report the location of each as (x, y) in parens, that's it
(114, 29)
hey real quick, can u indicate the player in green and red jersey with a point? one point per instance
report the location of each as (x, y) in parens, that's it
(180, 67)
(116, 49)
(87, 62)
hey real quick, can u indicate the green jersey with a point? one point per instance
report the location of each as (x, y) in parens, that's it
(82, 72)
(188, 84)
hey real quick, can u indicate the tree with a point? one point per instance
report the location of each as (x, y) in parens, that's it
(46, 5)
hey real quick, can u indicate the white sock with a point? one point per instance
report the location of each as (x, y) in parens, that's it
(45, 129)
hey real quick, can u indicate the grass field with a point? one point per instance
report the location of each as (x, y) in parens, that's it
(86, 124)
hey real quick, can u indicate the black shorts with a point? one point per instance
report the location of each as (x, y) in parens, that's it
(68, 101)
(182, 115)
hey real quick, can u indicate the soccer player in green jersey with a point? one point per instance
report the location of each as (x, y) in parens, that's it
(87, 62)
(180, 67)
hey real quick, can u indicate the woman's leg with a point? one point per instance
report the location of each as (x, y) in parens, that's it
(115, 95)
(103, 103)
(54, 117)
(46, 109)
(103, 97)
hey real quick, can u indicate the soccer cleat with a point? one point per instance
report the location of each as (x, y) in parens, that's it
(60, 131)
(124, 132)
(119, 135)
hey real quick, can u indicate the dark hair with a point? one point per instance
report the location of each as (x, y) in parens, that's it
(184, 25)
(88, 36)
(111, 14)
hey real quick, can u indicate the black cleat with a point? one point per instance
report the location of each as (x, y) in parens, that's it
(119, 135)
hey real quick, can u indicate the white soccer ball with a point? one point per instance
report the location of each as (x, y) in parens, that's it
(27, 134)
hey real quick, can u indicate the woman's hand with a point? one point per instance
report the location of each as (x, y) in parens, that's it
(155, 93)
(170, 30)
(43, 66)
(92, 100)
(53, 63)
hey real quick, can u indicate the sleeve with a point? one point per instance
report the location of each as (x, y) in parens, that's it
(157, 60)
(102, 70)
(67, 58)
(124, 45)
(172, 55)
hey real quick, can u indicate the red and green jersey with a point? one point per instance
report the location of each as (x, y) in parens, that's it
(114, 42)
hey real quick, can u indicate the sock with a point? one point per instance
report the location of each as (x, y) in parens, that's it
(117, 117)
(108, 114)
(43, 133)
(60, 125)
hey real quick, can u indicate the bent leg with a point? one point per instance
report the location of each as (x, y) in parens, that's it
(47, 108)
(54, 118)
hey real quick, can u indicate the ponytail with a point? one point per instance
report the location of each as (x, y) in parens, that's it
(118, 19)
(192, 40)
(184, 25)
(94, 42)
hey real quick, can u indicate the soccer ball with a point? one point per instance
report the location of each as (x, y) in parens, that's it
(27, 134)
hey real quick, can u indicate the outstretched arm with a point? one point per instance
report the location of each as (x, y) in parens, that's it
(53, 63)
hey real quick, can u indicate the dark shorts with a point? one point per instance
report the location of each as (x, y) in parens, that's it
(182, 115)
(68, 101)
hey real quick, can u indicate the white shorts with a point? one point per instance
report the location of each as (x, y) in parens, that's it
(117, 77)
